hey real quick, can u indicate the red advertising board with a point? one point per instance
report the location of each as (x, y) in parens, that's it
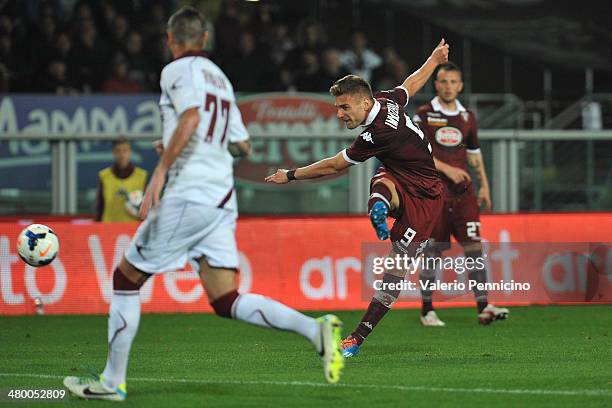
(286, 114)
(307, 263)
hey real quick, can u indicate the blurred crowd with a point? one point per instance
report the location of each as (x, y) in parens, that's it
(104, 46)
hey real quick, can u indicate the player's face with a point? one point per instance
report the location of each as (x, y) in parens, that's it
(448, 85)
(352, 109)
(122, 153)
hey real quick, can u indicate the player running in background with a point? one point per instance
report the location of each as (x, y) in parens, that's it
(196, 217)
(453, 133)
(408, 187)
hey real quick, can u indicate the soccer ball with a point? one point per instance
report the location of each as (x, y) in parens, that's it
(37, 245)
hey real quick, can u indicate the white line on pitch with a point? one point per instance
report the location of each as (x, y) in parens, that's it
(589, 392)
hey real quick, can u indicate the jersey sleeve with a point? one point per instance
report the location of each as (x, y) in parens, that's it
(398, 94)
(363, 147)
(472, 144)
(178, 83)
(237, 130)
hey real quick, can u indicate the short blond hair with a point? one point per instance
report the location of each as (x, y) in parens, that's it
(351, 84)
(187, 25)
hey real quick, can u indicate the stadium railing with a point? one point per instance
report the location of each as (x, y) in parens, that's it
(530, 170)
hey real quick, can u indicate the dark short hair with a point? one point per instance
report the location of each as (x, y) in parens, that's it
(448, 66)
(187, 25)
(120, 140)
(351, 84)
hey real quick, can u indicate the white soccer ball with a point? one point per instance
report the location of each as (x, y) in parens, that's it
(133, 201)
(37, 245)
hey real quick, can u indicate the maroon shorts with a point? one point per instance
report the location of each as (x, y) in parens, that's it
(414, 219)
(460, 218)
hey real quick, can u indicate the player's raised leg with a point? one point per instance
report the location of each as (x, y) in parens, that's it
(383, 199)
(123, 320)
(324, 333)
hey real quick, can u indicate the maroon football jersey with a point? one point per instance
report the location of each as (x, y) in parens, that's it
(391, 137)
(452, 135)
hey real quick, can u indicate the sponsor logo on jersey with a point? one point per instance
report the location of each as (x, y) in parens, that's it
(434, 114)
(449, 136)
(367, 136)
(437, 121)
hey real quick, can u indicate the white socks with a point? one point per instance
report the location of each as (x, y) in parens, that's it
(265, 312)
(123, 320)
(255, 309)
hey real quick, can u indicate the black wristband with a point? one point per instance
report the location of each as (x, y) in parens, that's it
(291, 175)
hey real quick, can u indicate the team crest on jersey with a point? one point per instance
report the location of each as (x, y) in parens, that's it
(367, 136)
(437, 121)
(465, 116)
(449, 136)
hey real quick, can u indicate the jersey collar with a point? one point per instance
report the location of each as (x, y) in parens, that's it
(437, 106)
(123, 173)
(373, 113)
(192, 54)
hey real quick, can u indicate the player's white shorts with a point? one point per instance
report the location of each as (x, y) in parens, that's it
(180, 230)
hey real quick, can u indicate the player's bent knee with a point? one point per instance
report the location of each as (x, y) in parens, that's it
(389, 184)
(384, 181)
(385, 298)
(128, 279)
(400, 273)
(132, 273)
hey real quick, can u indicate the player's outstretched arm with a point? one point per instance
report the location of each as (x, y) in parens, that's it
(476, 161)
(187, 125)
(418, 78)
(325, 167)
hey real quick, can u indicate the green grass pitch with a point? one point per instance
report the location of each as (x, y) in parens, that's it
(542, 356)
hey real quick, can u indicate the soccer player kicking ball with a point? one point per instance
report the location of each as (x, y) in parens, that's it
(196, 217)
(453, 133)
(408, 188)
